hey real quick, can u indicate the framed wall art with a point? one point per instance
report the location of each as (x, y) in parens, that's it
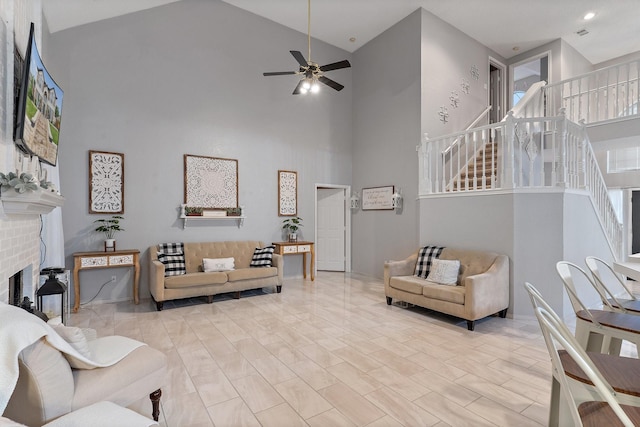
(377, 198)
(106, 182)
(210, 182)
(287, 193)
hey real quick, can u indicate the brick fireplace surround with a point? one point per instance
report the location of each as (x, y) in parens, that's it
(19, 250)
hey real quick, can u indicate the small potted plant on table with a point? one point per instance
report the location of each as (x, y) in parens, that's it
(109, 226)
(291, 225)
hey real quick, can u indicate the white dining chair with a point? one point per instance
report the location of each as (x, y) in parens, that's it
(625, 301)
(598, 330)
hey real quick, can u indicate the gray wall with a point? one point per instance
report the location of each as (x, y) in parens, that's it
(186, 78)
(386, 130)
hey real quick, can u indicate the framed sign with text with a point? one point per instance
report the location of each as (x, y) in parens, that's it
(377, 198)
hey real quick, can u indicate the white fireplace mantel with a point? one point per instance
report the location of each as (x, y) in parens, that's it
(30, 203)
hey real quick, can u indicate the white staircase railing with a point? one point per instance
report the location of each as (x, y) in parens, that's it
(528, 152)
(607, 94)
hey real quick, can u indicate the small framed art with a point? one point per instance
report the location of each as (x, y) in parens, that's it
(287, 193)
(106, 182)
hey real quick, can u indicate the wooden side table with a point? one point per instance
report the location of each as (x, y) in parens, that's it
(96, 260)
(295, 248)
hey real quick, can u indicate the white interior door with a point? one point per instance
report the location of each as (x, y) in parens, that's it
(330, 246)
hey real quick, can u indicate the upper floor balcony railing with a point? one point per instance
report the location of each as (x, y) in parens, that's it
(603, 95)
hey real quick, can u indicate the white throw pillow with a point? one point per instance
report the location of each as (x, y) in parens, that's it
(218, 264)
(444, 271)
(75, 337)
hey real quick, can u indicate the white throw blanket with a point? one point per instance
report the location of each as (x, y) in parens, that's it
(19, 329)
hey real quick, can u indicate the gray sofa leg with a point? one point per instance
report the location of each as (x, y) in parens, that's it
(503, 313)
(471, 324)
(209, 299)
(389, 300)
(159, 305)
(236, 295)
(279, 288)
(155, 403)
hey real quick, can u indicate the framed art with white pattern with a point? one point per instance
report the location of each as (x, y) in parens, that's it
(106, 182)
(210, 182)
(287, 193)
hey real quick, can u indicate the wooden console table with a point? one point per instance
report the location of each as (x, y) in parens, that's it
(95, 260)
(295, 248)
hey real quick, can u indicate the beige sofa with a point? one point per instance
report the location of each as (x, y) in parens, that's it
(196, 282)
(482, 288)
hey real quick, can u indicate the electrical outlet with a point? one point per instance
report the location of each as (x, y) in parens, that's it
(113, 278)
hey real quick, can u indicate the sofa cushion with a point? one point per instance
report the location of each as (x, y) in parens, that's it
(444, 271)
(471, 262)
(251, 273)
(454, 294)
(217, 264)
(196, 279)
(173, 263)
(262, 256)
(425, 257)
(241, 251)
(411, 284)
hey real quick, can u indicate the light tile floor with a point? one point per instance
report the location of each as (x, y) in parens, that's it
(332, 353)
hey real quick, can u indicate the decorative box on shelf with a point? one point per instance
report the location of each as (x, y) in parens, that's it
(35, 202)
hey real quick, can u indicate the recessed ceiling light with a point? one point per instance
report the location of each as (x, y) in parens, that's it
(352, 39)
(589, 16)
(516, 48)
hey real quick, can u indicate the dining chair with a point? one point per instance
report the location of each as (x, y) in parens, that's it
(622, 373)
(604, 408)
(626, 301)
(598, 330)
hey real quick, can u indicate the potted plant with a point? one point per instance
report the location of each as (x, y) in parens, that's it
(193, 211)
(291, 225)
(109, 226)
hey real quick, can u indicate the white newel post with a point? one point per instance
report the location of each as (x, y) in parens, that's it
(509, 160)
(424, 166)
(562, 160)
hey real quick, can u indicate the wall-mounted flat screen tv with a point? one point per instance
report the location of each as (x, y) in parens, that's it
(39, 108)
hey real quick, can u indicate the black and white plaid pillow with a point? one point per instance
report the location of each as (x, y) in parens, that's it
(262, 256)
(171, 248)
(174, 264)
(425, 257)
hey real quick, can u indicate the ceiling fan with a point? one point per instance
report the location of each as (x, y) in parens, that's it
(312, 72)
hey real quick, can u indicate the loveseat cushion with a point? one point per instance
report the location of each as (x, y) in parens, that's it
(251, 273)
(411, 284)
(454, 294)
(195, 279)
(471, 262)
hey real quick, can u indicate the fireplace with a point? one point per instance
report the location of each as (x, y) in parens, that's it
(15, 289)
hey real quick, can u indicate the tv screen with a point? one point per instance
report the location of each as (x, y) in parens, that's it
(39, 109)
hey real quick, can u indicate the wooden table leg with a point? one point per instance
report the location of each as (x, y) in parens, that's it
(304, 265)
(76, 285)
(313, 263)
(136, 279)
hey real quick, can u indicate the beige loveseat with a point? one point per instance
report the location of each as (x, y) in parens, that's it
(196, 282)
(482, 288)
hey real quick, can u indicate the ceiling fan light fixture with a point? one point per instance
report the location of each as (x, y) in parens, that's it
(315, 87)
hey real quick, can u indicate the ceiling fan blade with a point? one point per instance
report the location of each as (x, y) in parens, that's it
(296, 54)
(279, 73)
(336, 66)
(298, 89)
(330, 83)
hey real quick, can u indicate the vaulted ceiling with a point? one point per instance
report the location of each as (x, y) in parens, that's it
(509, 27)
